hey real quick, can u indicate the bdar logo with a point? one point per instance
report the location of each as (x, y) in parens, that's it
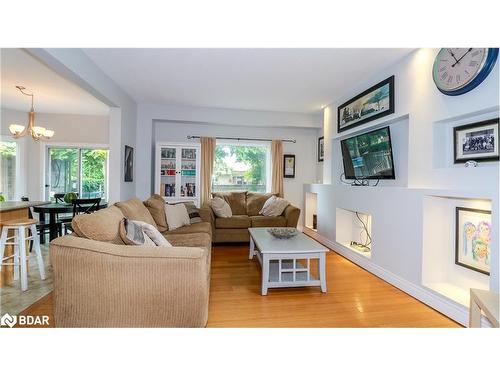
(8, 320)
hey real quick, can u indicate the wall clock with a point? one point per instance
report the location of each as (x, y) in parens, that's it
(459, 70)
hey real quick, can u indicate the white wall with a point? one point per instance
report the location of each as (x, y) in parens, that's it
(304, 149)
(76, 66)
(421, 129)
(241, 121)
(69, 128)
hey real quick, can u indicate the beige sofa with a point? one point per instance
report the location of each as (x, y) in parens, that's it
(245, 207)
(101, 282)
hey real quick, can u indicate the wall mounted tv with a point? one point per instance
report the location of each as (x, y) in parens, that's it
(368, 156)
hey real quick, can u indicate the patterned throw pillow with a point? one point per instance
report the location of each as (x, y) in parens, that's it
(193, 212)
(132, 234)
(135, 232)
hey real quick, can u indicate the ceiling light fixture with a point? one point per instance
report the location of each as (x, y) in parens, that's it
(36, 132)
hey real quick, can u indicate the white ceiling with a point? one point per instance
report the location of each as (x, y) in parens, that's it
(291, 80)
(53, 93)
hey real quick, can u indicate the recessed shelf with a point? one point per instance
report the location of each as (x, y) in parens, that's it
(350, 226)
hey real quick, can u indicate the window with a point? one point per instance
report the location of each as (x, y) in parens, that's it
(242, 167)
(80, 170)
(8, 169)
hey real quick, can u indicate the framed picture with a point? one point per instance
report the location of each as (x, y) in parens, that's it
(478, 141)
(289, 166)
(376, 102)
(473, 239)
(321, 148)
(129, 164)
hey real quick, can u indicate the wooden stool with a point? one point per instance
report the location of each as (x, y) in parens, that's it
(20, 259)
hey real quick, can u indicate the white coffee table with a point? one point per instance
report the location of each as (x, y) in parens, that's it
(287, 262)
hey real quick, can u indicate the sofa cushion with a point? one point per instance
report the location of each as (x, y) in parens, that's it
(202, 227)
(233, 222)
(236, 200)
(193, 240)
(156, 207)
(102, 225)
(134, 209)
(268, 221)
(255, 202)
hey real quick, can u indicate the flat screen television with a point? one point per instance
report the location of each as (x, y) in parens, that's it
(368, 156)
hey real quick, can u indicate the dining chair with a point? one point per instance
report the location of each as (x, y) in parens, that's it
(82, 206)
(42, 228)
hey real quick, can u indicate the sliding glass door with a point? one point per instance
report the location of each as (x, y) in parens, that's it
(80, 170)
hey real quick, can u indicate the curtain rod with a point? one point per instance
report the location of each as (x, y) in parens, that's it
(243, 139)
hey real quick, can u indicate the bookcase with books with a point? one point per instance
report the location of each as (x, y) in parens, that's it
(177, 177)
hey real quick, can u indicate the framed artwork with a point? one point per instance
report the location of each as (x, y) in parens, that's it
(129, 164)
(321, 148)
(473, 239)
(477, 141)
(289, 166)
(371, 104)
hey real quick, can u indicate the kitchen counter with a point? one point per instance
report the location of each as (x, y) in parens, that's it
(18, 205)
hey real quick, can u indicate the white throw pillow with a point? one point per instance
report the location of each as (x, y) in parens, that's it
(153, 233)
(266, 205)
(177, 216)
(220, 207)
(276, 207)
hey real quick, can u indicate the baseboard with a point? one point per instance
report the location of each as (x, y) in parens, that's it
(444, 305)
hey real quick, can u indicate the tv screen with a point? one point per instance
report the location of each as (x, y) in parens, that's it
(368, 155)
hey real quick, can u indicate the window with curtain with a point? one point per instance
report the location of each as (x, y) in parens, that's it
(80, 170)
(242, 167)
(8, 169)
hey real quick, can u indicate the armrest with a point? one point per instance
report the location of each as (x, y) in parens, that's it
(207, 214)
(99, 284)
(291, 215)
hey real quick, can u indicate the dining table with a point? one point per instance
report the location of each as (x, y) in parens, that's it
(53, 210)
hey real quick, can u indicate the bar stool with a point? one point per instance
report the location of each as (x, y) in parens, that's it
(19, 227)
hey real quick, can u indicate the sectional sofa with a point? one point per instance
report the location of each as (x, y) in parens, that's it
(100, 281)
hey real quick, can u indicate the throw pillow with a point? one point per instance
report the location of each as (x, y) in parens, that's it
(220, 207)
(193, 212)
(266, 205)
(276, 207)
(177, 216)
(140, 233)
(133, 234)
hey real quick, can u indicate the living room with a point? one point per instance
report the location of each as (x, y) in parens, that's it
(184, 187)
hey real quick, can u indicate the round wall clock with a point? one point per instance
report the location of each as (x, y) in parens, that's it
(459, 70)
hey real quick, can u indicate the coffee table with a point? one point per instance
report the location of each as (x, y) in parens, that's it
(287, 262)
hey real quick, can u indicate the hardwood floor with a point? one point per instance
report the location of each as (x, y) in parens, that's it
(355, 298)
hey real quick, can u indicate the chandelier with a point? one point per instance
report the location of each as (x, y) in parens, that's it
(36, 132)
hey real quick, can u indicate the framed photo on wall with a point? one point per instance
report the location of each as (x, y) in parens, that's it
(473, 239)
(477, 141)
(289, 166)
(371, 104)
(321, 148)
(129, 164)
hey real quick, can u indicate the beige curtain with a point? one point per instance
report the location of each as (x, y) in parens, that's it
(207, 167)
(277, 169)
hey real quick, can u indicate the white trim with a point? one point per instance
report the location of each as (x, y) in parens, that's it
(444, 305)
